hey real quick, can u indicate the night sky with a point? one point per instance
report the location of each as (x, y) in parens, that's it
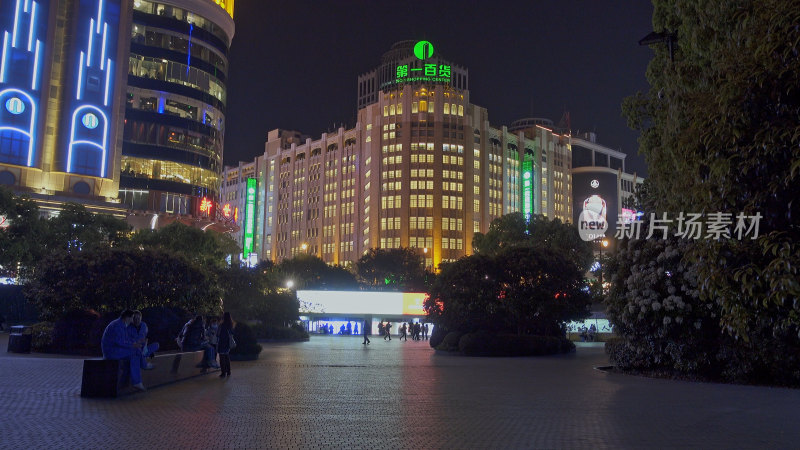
(294, 64)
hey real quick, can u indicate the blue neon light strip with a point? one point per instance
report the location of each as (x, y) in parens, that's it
(108, 83)
(73, 142)
(189, 56)
(91, 39)
(26, 5)
(16, 20)
(80, 78)
(99, 14)
(33, 25)
(36, 66)
(3, 62)
(30, 132)
(103, 53)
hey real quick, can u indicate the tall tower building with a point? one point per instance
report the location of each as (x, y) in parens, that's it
(422, 168)
(62, 79)
(172, 148)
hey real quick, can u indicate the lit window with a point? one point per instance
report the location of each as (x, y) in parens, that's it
(447, 108)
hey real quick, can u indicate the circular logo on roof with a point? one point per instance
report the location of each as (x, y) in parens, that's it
(423, 50)
(14, 105)
(595, 184)
(90, 121)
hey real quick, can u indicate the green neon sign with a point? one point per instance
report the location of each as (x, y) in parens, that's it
(249, 217)
(527, 188)
(423, 50)
(429, 72)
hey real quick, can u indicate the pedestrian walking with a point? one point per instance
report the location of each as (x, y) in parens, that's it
(388, 329)
(367, 329)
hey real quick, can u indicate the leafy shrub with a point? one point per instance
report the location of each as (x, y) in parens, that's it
(450, 342)
(71, 332)
(437, 336)
(246, 343)
(486, 344)
(42, 338)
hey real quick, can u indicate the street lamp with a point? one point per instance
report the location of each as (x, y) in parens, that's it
(304, 247)
(289, 284)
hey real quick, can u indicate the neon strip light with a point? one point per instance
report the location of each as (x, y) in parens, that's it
(189, 56)
(16, 19)
(35, 66)
(80, 78)
(26, 5)
(29, 133)
(33, 25)
(91, 39)
(103, 53)
(3, 61)
(99, 15)
(73, 142)
(108, 82)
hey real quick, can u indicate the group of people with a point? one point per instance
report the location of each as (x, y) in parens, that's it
(214, 339)
(125, 338)
(418, 331)
(344, 330)
(588, 334)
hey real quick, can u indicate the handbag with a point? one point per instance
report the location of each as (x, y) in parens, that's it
(232, 341)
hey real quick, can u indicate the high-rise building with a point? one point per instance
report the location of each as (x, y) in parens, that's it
(422, 168)
(62, 87)
(175, 108)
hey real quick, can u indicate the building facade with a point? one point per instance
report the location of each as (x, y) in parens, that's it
(601, 185)
(422, 168)
(171, 160)
(62, 87)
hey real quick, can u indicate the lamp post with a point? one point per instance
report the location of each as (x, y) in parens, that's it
(304, 247)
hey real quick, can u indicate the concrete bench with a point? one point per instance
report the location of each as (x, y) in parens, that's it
(109, 377)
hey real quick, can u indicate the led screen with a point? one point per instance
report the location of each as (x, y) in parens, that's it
(363, 303)
(595, 195)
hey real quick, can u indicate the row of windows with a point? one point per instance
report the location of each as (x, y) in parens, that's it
(422, 184)
(392, 148)
(452, 224)
(175, 72)
(180, 138)
(420, 223)
(458, 160)
(422, 158)
(420, 242)
(154, 37)
(174, 12)
(169, 171)
(453, 244)
(393, 160)
(175, 105)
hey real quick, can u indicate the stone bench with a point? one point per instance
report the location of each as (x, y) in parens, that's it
(108, 377)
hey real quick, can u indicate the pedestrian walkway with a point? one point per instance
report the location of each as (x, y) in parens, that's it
(334, 392)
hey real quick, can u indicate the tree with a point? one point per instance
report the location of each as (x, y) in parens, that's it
(514, 230)
(205, 247)
(24, 236)
(76, 229)
(526, 290)
(112, 279)
(311, 272)
(720, 133)
(397, 269)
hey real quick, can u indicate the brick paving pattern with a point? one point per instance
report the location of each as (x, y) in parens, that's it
(332, 392)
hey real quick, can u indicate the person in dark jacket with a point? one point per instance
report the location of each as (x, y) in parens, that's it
(367, 331)
(195, 339)
(224, 334)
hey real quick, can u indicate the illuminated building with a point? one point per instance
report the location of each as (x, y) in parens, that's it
(601, 184)
(422, 168)
(62, 86)
(172, 146)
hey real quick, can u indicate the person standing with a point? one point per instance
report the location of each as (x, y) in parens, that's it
(213, 340)
(116, 343)
(366, 329)
(403, 329)
(388, 329)
(225, 335)
(425, 331)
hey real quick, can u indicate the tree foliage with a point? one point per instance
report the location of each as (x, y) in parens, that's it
(528, 290)
(396, 269)
(112, 279)
(720, 132)
(311, 272)
(22, 241)
(206, 248)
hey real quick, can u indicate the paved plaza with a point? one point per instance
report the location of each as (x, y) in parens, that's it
(332, 392)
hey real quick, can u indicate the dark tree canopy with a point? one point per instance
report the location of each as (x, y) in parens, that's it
(397, 269)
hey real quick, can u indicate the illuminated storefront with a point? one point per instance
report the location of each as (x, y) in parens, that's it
(337, 308)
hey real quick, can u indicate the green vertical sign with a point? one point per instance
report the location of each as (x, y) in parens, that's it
(527, 188)
(249, 217)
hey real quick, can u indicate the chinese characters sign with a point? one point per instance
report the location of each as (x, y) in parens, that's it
(249, 216)
(527, 188)
(691, 226)
(429, 72)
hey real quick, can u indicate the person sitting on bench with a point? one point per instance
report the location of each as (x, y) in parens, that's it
(138, 334)
(117, 344)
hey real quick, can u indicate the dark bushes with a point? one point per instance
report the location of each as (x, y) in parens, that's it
(71, 333)
(246, 345)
